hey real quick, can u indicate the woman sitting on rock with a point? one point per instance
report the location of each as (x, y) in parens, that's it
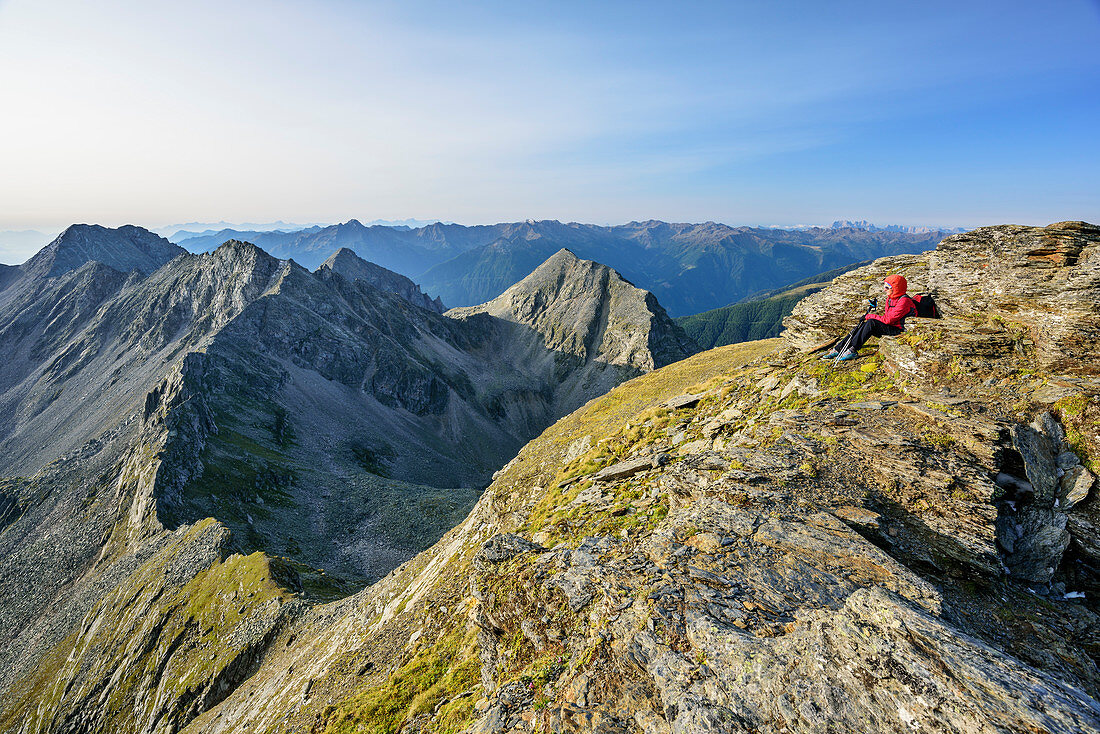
(890, 323)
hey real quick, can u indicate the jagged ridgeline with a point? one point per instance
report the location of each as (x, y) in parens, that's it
(689, 267)
(331, 420)
(746, 540)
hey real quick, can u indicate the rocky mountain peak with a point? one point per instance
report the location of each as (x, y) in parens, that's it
(588, 310)
(235, 247)
(123, 248)
(346, 263)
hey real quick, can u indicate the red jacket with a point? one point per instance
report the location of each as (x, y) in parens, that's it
(895, 312)
(898, 305)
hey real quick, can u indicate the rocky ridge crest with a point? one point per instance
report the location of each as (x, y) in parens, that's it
(750, 540)
(346, 263)
(124, 249)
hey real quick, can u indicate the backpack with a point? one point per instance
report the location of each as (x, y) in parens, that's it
(926, 306)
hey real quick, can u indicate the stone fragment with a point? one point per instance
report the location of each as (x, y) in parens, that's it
(1038, 453)
(1033, 540)
(712, 427)
(578, 448)
(1084, 528)
(860, 516)
(574, 584)
(683, 401)
(504, 546)
(705, 542)
(1075, 486)
(805, 388)
(1067, 460)
(593, 497)
(768, 383)
(628, 468)
(872, 405)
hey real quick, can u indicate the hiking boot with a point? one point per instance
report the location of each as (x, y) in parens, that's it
(831, 355)
(848, 355)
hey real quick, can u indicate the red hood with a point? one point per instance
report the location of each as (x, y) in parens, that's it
(898, 285)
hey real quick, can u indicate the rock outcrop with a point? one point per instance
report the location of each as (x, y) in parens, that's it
(1045, 277)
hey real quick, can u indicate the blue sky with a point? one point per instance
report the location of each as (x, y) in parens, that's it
(776, 113)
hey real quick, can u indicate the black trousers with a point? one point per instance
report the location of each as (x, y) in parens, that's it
(866, 329)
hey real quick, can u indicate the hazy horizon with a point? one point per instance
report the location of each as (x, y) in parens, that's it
(939, 114)
(17, 246)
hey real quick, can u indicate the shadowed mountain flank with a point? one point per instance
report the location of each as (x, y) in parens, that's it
(349, 265)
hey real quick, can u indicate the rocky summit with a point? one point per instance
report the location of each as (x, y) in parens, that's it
(597, 327)
(746, 540)
(351, 266)
(123, 249)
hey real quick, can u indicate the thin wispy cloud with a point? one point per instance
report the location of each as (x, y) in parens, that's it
(147, 112)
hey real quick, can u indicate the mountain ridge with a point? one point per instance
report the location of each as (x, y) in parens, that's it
(125, 248)
(346, 263)
(689, 267)
(234, 403)
(771, 571)
(745, 540)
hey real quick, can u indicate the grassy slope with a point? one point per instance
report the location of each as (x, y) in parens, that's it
(446, 663)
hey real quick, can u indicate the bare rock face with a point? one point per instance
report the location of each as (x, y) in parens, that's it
(1046, 277)
(346, 263)
(1013, 297)
(838, 309)
(587, 310)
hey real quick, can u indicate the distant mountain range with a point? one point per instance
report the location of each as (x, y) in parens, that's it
(689, 267)
(868, 227)
(179, 232)
(194, 228)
